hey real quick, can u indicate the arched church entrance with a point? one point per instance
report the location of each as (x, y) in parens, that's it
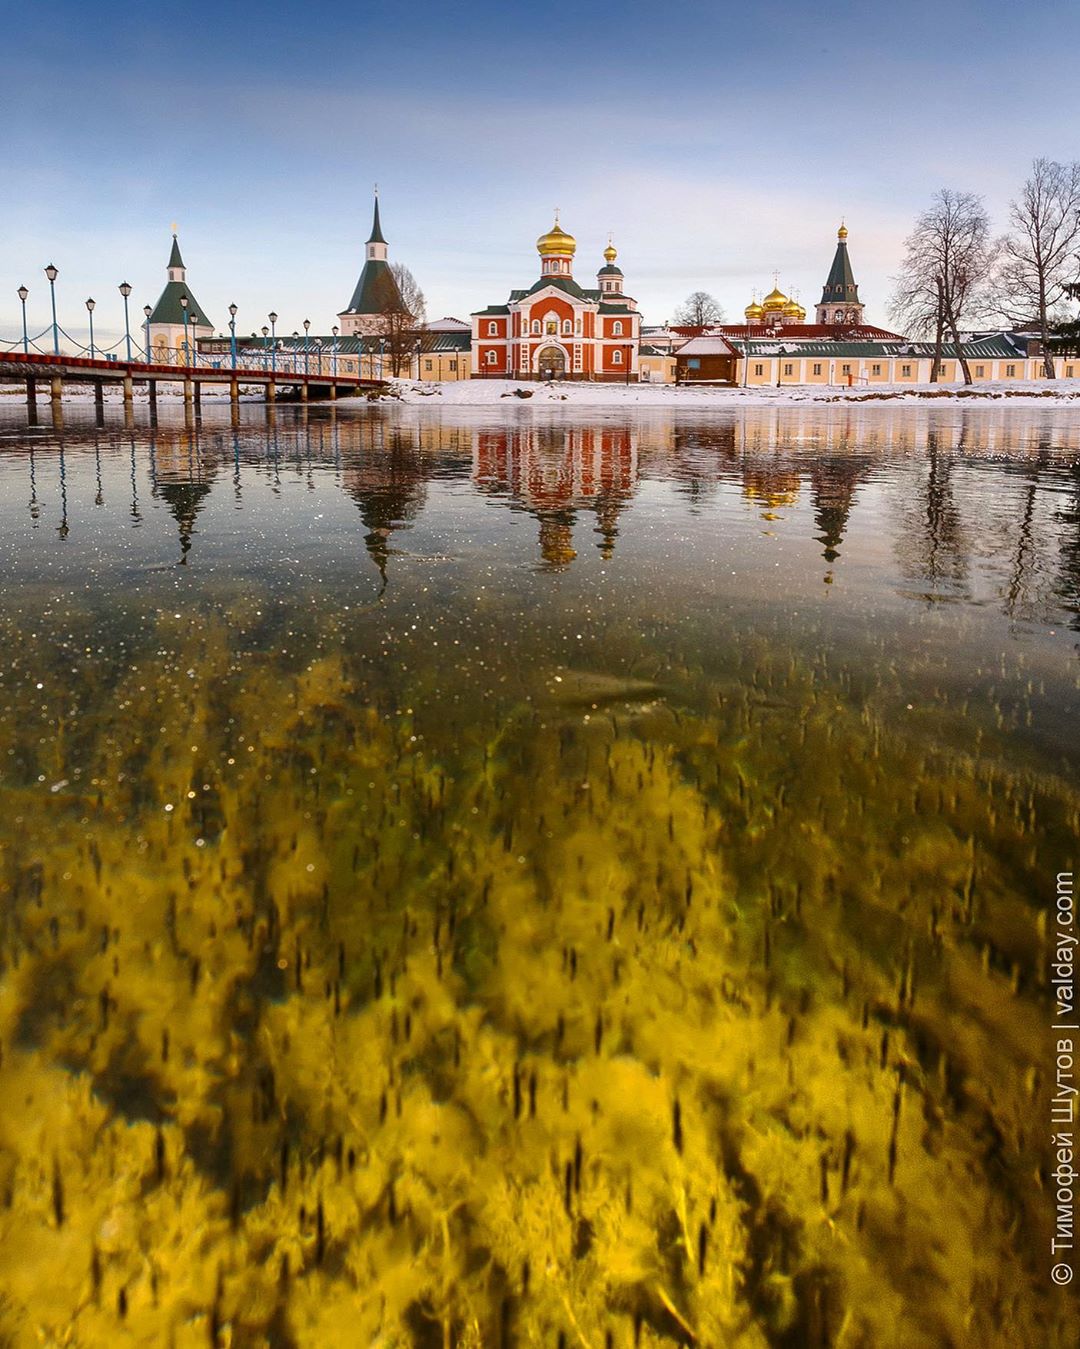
(551, 363)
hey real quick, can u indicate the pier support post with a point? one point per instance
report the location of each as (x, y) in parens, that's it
(189, 391)
(234, 392)
(333, 393)
(31, 391)
(129, 390)
(198, 394)
(304, 392)
(56, 390)
(271, 392)
(99, 393)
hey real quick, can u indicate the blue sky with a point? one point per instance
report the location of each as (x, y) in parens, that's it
(719, 142)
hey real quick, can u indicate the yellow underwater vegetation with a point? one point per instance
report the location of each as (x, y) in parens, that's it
(615, 1019)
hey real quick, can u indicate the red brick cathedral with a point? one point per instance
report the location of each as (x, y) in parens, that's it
(556, 329)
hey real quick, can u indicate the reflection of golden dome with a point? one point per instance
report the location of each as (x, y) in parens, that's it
(774, 302)
(753, 312)
(556, 240)
(610, 253)
(841, 233)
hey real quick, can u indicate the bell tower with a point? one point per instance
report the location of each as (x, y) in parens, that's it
(839, 305)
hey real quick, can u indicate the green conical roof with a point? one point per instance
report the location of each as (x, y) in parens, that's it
(169, 309)
(175, 260)
(840, 288)
(376, 292)
(376, 228)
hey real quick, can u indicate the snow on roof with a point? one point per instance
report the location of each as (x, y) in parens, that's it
(716, 345)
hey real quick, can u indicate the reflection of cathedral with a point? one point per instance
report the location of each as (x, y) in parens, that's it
(555, 471)
(556, 329)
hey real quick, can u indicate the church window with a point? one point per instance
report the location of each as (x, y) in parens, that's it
(536, 327)
(789, 369)
(839, 316)
(453, 364)
(493, 328)
(491, 358)
(616, 357)
(979, 371)
(845, 369)
(759, 369)
(566, 325)
(1069, 372)
(875, 369)
(427, 365)
(905, 372)
(616, 329)
(817, 367)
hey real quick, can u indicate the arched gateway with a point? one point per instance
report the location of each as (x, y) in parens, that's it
(551, 363)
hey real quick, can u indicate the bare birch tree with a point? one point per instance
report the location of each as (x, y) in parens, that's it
(1040, 256)
(700, 310)
(947, 263)
(401, 317)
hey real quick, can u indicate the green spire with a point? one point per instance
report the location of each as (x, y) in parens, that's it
(175, 260)
(840, 288)
(376, 228)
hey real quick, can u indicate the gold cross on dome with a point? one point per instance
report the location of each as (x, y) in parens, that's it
(174, 226)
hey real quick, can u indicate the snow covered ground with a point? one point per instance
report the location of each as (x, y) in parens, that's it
(489, 392)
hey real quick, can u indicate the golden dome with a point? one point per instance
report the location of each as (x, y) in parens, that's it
(753, 312)
(793, 309)
(556, 240)
(775, 301)
(610, 253)
(841, 233)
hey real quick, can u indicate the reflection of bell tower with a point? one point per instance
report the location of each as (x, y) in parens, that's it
(834, 485)
(389, 487)
(183, 481)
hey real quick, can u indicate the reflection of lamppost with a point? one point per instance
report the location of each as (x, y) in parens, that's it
(125, 291)
(23, 293)
(232, 333)
(147, 311)
(333, 359)
(52, 273)
(307, 325)
(273, 341)
(90, 311)
(187, 349)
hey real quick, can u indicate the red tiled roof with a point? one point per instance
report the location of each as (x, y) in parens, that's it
(809, 332)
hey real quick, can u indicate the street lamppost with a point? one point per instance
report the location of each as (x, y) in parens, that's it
(187, 348)
(125, 291)
(307, 325)
(90, 311)
(333, 361)
(273, 342)
(296, 353)
(232, 333)
(23, 293)
(147, 311)
(265, 332)
(52, 274)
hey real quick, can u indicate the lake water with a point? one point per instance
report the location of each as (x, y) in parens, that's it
(514, 877)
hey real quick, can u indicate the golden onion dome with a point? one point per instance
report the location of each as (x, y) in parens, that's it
(841, 233)
(753, 312)
(556, 240)
(610, 253)
(775, 301)
(793, 309)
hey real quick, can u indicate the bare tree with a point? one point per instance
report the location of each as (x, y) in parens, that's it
(947, 263)
(700, 310)
(402, 314)
(1039, 255)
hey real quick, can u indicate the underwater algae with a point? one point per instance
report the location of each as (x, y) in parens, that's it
(642, 1014)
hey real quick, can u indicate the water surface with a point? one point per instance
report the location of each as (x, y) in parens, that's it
(532, 878)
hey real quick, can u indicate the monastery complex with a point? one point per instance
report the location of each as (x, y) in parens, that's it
(555, 327)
